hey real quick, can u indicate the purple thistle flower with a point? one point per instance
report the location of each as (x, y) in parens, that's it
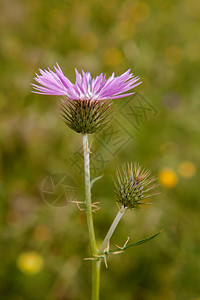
(87, 104)
(85, 87)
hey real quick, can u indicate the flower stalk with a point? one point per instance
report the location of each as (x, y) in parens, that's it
(96, 264)
(112, 229)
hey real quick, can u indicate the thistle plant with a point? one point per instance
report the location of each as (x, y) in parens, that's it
(86, 108)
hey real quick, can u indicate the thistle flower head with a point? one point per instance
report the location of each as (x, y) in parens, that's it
(86, 107)
(134, 185)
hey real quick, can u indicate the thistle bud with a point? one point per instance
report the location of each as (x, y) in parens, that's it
(134, 185)
(86, 116)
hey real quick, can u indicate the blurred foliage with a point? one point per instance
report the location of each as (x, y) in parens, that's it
(42, 245)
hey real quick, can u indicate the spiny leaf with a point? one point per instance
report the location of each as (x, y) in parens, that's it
(136, 243)
(143, 241)
(126, 246)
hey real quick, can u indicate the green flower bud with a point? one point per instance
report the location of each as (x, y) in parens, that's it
(133, 185)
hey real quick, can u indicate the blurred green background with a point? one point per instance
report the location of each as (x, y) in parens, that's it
(43, 244)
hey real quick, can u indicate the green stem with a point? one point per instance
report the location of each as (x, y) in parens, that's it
(112, 229)
(96, 263)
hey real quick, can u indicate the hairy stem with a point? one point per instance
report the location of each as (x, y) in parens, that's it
(96, 263)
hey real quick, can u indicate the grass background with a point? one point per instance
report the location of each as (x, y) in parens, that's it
(42, 245)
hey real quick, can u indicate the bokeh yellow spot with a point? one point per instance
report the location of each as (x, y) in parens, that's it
(112, 57)
(30, 262)
(187, 169)
(168, 178)
(173, 55)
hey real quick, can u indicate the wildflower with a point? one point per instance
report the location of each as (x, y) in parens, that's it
(30, 262)
(168, 178)
(133, 185)
(87, 104)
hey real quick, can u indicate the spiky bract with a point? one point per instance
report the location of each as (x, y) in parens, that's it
(85, 116)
